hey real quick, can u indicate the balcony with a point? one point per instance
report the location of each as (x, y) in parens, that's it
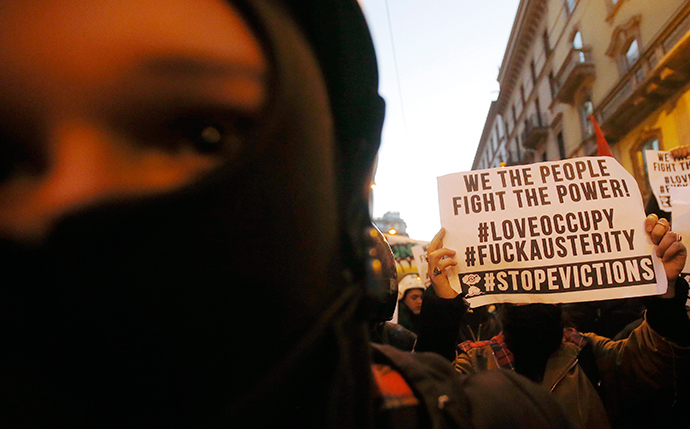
(576, 68)
(662, 71)
(535, 132)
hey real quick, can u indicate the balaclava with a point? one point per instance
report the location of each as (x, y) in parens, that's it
(532, 333)
(235, 299)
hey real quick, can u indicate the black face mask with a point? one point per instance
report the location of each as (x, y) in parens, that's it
(532, 333)
(170, 310)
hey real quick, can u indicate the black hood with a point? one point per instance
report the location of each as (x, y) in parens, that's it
(202, 306)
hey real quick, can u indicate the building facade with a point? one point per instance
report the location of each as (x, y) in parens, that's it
(627, 62)
(391, 223)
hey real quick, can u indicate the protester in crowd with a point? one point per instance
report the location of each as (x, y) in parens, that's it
(160, 159)
(652, 205)
(410, 292)
(680, 152)
(606, 318)
(644, 380)
(477, 324)
(383, 331)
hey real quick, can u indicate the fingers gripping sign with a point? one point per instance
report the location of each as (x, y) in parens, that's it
(440, 259)
(552, 232)
(669, 248)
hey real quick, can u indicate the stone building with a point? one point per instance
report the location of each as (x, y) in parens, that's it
(625, 61)
(391, 223)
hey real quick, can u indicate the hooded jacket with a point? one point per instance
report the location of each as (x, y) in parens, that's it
(642, 381)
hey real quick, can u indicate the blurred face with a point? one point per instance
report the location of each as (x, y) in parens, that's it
(116, 98)
(413, 299)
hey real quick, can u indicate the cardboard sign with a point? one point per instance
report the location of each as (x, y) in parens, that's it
(564, 231)
(665, 173)
(419, 253)
(403, 252)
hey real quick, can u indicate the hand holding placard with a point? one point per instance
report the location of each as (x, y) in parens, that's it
(440, 259)
(564, 231)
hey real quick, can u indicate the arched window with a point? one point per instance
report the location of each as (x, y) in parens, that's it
(570, 6)
(577, 40)
(649, 140)
(625, 44)
(612, 7)
(632, 54)
(577, 44)
(586, 109)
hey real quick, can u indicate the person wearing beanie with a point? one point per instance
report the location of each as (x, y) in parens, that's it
(640, 381)
(161, 159)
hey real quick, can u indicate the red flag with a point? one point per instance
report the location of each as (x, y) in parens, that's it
(602, 145)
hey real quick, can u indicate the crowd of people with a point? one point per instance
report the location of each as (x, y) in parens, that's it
(186, 241)
(642, 380)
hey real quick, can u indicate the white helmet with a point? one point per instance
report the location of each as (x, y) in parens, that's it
(410, 281)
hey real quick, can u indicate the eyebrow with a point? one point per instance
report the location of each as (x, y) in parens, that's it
(193, 76)
(184, 66)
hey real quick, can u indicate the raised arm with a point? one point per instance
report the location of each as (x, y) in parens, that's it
(646, 377)
(442, 307)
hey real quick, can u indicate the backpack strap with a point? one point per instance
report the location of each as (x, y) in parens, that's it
(586, 358)
(484, 400)
(434, 383)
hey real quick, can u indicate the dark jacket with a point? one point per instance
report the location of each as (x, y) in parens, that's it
(407, 318)
(423, 390)
(644, 379)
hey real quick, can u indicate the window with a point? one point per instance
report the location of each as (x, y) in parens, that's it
(578, 45)
(534, 72)
(517, 148)
(632, 54)
(649, 140)
(561, 145)
(570, 6)
(611, 5)
(577, 40)
(586, 110)
(553, 86)
(545, 41)
(652, 144)
(625, 45)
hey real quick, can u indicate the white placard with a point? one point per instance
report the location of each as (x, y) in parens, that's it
(680, 199)
(419, 253)
(564, 231)
(665, 173)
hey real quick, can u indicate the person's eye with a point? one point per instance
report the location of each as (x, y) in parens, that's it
(221, 133)
(210, 135)
(20, 155)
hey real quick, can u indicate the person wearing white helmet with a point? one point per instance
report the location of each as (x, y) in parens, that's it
(410, 292)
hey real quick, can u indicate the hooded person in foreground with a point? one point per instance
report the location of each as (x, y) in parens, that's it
(642, 381)
(164, 167)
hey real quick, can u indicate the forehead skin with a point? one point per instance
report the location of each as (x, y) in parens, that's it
(414, 293)
(84, 45)
(68, 68)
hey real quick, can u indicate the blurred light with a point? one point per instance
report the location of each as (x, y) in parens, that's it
(392, 231)
(376, 266)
